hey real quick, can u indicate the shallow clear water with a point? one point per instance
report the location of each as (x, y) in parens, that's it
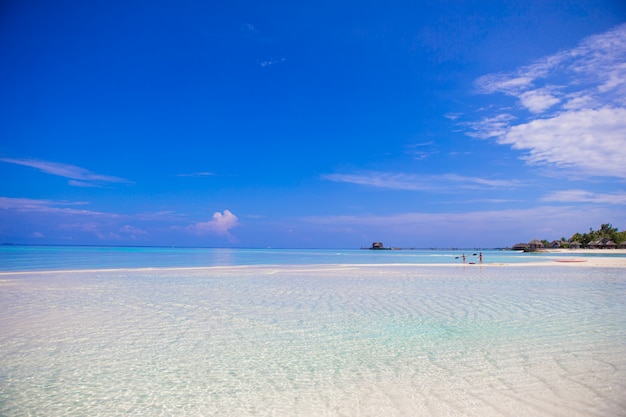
(16, 258)
(315, 340)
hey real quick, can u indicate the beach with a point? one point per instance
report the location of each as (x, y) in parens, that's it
(542, 334)
(599, 252)
(609, 258)
(539, 338)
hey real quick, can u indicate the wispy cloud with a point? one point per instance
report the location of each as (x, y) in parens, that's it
(78, 177)
(382, 180)
(198, 174)
(61, 217)
(270, 62)
(472, 182)
(492, 126)
(85, 184)
(470, 228)
(28, 205)
(511, 84)
(132, 232)
(249, 29)
(423, 218)
(106, 232)
(220, 224)
(583, 196)
(452, 116)
(411, 182)
(166, 215)
(588, 140)
(421, 151)
(254, 34)
(575, 104)
(91, 228)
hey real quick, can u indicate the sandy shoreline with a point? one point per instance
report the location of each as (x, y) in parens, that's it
(585, 251)
(548, 261)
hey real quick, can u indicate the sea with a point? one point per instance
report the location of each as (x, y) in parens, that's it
(112, 331)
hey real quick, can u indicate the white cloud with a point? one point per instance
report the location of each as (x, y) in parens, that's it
(220, 224)
(615, 78)
(576, 107)
(583, 196)
(579, 101)
(78, 176)
(538, 101)
(589, 140)
(597, 64)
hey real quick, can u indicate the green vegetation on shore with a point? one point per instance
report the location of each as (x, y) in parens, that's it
(606, 231)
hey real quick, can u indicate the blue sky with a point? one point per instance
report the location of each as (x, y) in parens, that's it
(311, 124)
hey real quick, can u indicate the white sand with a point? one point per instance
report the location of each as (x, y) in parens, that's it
(604, 258)
(311, 340)
(588, 251)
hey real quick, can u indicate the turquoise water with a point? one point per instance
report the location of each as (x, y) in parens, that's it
(252, 336)
(15, 258)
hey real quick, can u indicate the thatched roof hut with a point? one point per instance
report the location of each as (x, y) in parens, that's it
(604, 243)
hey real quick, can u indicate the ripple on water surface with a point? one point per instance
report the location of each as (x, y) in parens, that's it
(367, 341)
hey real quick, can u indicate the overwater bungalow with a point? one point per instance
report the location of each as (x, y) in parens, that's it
(378, 246)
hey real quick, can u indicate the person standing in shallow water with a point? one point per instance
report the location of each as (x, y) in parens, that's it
(463, 258)
(480, 257)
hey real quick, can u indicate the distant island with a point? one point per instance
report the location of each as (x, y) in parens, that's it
(607, 237)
